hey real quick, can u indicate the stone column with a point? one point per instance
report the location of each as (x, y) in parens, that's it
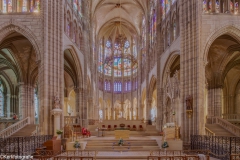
(238, 6)
(90, 108)
(65, 109)
(56, 112)
(22, 105)
(148, 110)
(215, 102)
(213, 6)
(8, 105)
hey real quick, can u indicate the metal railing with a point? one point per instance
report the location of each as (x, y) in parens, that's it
(186, 157)
(225, 124)
(74, 154)
(22, 145)
(14, 128)
(235, 157)
(218, 146)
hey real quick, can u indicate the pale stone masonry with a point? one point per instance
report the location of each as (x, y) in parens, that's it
(55, 51)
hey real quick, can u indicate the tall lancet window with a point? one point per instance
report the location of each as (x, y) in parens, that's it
(36, 106)
(1, 101)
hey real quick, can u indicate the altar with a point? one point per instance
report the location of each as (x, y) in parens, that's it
(124, 134)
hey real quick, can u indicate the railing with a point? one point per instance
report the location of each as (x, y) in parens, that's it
(209, 132)
(225, 124)
(231, 117)
(14, 128)
(75, 120)
(186, 157)
(22, 146)
(235, 157)
(74, 154)
(219, 147)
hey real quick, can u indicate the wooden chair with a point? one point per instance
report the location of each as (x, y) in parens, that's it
(115, 126)
(109, 127)
(77, 131)
(103, 126)
(134, 127)
(129, 127)
(140, 127)
(67, 131)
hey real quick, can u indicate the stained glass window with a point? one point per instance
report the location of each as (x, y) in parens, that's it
(121, 64)
(210, 6)
(153, 26)
(100, 114)
(168, 4)
(129, 85)
(163, 8)
(4, 5)
(1, 100)
(75, 6)
(105, 85)
(37, 6)
(236, 7)
(9, 5)
(205, 6)
(22, 5)
(100, 58)
(174, 29)
(80, 7)
(217, 6)
(36, 106)
(143, 41)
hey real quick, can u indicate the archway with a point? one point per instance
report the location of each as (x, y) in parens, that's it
(222, 76)
(19, 73)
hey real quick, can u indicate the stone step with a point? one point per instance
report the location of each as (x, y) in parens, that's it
(218, 130)
(26, 131)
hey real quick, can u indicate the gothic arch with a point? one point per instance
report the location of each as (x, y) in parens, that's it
(173, 56)
(76, 66)
(12, 26)
(152, 85)
(233, 31)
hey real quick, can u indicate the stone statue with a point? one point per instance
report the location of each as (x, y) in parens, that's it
(189, 102)
(56, 102)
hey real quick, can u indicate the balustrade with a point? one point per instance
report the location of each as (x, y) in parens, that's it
(14, 128)
(225, 124)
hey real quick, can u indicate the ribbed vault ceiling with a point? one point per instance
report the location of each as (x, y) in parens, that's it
(114, 17)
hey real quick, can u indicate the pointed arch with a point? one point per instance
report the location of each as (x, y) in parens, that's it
(10, 27)
(173, 57)
(231, 30)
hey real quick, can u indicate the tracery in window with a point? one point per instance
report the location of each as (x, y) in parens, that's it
(217, 6)
(174, 29)
(168, 4)
(10, 6)
(205, 6)
(119, 63)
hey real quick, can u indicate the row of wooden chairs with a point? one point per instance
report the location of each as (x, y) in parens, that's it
(186, 157)
(134, 127)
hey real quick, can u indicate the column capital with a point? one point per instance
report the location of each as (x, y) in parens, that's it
(56, 112)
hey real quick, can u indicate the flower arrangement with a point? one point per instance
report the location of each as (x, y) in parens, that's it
(120, 142)
(165, 144)
(59, 132)
(77, 145)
